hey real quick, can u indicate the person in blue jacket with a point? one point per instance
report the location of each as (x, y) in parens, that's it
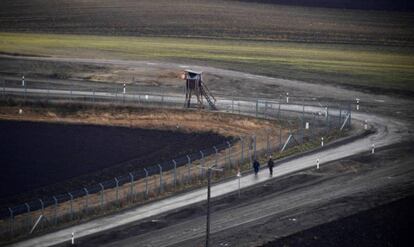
(256, 166)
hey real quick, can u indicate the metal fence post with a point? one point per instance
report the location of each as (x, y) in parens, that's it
(117, 190)
(267, 143)
(232, 104)
(132, 186)
(55, 209)
(11, 222)
(350, 115)
(242, 150)
(278, 113)
(146, 184)
(93, 95)
(340, 117)
(43, 208)
(202, 163)
(161, 187)
(102, 194)
(189, 169)
(229, 153)
(327, 118)
(175, 173)
(29, 216)
(71, 89)
(71, 206)
(257, 107)
(254, 146)
(86, 198)
(216, 156)
(47, 95)
(280, 136)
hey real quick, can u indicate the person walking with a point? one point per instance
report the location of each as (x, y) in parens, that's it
(256, 167)
(270, 164)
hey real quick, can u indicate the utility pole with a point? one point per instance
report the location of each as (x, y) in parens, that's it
(209, 171)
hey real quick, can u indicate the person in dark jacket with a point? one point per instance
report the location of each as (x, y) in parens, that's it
(256, 166)
(270, 164)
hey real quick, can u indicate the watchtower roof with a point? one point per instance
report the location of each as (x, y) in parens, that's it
(189, 71)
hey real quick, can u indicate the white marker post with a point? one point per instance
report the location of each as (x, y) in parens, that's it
(287, 98)
(366, 125)
(373, 149)
(22, 81)
(73, 238)
(357, 102)
(321, 141)
(317, 163)
(124, 88)
(307, 125)
(239, 176)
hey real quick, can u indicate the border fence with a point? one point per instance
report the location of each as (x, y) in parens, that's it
(304, 125)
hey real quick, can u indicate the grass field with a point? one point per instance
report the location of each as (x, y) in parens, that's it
(379, 66)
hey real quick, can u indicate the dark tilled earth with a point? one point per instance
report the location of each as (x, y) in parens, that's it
(45, 159)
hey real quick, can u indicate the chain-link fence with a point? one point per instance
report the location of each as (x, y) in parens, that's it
(301, 126)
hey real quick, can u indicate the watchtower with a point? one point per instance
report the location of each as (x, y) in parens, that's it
(195, 85)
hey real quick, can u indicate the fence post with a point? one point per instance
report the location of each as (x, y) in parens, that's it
(189, 169)
(47, 95)
(216, 156)
(340, 117)
(11, 222)
(280, 136)
(232, 104)
(268, 143)
(55, 209)
(102, 194)
(278, 113)
(257, 107)
(132, 186)
(254, 146)
(71, 206)
(71, 89)
(229, 153)
(350, 116)
(86, 198)
(327, 118)
(175, 172)
(29, 216)
(43, 208)
(146, 184)
(42, 205)
(93, 95)
(202, 163)
(117, 191)
(161, 188)
(242, 150)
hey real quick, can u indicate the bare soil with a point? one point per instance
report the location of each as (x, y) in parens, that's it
(212, 19)
(98, 143)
